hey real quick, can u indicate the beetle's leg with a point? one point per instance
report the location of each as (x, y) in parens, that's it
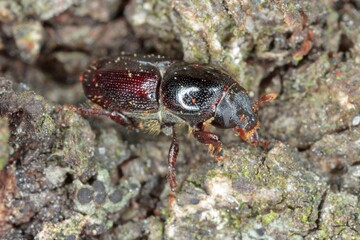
(173, 152)
(255, 140)
(213, 140)
(251, 137)
(118, 117)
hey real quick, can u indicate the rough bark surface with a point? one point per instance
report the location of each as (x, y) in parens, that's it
(64, 176)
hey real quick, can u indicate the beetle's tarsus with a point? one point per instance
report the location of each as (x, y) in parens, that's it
(251, 137)
(215, 150)
(255, 140)
(173, 152)
(262, 143)
(172, 199)
(219, 158)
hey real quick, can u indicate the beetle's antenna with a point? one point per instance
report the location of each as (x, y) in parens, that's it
(266, 98)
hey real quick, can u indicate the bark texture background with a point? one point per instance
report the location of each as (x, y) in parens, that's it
(63, 176)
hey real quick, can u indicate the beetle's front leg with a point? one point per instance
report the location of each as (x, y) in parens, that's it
(251, 137)
(118, 117)
(173, 152)
(211, 139)
(255, 140)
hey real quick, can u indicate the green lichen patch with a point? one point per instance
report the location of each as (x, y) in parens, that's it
(4, 146)
(321, 98)
(271, 189)
(152, 227)
(77, 144)
(110, 150)
(269, 217)
(335, 157)
(70, 228)
(339, 217)
(102, 197)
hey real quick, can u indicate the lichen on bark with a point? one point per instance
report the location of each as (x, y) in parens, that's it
(63, 175)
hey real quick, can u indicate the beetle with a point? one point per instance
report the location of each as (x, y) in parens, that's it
(154, 94)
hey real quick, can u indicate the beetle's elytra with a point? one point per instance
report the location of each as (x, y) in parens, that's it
(154, 94)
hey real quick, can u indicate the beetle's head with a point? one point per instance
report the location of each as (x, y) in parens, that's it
(236, 111)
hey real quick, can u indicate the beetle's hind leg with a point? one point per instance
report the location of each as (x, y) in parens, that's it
(209, 138)
(118, 117)
(173, 152)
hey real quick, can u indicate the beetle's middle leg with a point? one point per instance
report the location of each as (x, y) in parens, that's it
(118, 117)
(209, 138)
(173, 152)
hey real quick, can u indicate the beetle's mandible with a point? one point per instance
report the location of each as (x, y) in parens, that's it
(154, 94)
